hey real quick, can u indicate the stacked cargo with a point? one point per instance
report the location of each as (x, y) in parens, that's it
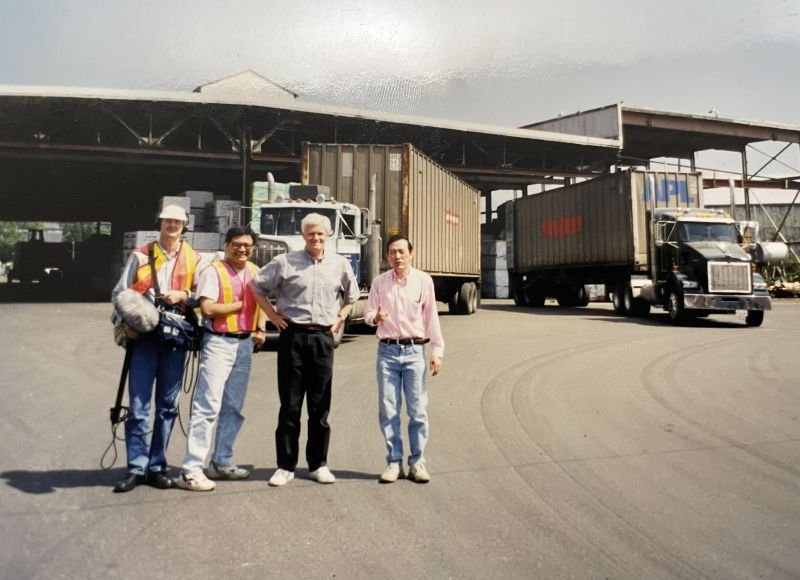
(222, 215)
(209, 219)
(494, 268)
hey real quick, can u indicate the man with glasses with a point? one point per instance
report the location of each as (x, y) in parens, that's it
(233, 323)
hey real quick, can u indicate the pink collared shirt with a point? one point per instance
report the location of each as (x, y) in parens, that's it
(410, 303)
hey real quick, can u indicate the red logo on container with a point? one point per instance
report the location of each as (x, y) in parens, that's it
(451, 217)
(562, 227)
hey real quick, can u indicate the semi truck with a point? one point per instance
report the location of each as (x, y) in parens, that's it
(644, 235)
(371, 192)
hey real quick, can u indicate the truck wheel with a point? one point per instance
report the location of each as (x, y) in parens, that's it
(618, 299)
(519, 295)
(641, 308)
(627, 299)
(465, 298)
(567, 296)
(754, 317)
(677, 313)
(474, 298)
(583, 296)
(536, 296)
(452, 304)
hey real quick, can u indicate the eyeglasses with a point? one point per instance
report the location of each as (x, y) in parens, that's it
(242, 245)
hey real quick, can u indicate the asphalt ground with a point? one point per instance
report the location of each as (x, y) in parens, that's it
(565, 443)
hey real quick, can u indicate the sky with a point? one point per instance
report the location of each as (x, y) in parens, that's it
(501, 62)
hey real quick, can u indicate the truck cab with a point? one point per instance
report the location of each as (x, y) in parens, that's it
(699, 266)
(279, 227)
(278, 223)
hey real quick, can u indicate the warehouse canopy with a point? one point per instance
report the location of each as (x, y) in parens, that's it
(207, 130)
(647, 134)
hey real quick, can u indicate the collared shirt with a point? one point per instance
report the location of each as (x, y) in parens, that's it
(308, 291)
(410, 303)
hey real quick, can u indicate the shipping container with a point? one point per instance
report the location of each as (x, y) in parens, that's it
(597, 223)
(415, 197)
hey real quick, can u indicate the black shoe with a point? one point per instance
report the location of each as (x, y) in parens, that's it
(131, 480)
(160, 480)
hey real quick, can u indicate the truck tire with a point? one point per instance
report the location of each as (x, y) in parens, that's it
(518, 294)
(536, 295)
(567, 296)
(583, 296)
(641, 308)
(465, 298)
(618, 299)
(754, 318)
(452, 304)
(677, 313)
(474, 298)
(627, 299)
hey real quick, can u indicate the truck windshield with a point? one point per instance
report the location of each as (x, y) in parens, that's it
(285, 221)
(707, 232)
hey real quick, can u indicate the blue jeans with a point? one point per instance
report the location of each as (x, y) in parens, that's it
(402, 373)
(151, 363)
(219, 397)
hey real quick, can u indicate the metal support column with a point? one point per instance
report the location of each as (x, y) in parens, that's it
(745, 189)
(245, 149)
(487, 195)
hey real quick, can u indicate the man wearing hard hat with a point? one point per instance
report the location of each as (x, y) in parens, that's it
(152, 360)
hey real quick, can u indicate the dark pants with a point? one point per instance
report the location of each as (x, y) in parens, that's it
(305, 369)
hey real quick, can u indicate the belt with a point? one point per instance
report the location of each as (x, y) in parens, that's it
(405, 341)
(239, 335)
(308, 327)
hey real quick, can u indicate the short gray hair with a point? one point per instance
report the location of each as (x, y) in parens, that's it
(316, 219)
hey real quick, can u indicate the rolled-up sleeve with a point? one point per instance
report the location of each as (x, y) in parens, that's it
(350, 289)
(267, 278)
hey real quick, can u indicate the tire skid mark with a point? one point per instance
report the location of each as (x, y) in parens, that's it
(666, 367)
(504, 386)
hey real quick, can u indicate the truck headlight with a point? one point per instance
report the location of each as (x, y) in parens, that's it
(759, 285)
(688, 284)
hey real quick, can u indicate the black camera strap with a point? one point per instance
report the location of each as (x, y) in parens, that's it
(151, 259)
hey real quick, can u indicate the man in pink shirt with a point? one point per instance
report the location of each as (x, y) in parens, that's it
(402, 304)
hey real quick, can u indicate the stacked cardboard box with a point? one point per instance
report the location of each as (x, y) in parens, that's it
(494, 268)
(223, 214)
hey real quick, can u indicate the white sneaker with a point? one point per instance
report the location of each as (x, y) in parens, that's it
(418, 473)
(322, 475)
(195, 481)
(281, 477)
(391, 473)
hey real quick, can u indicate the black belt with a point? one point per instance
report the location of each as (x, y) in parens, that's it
(405, 341)
(308, 327)
(239, 335)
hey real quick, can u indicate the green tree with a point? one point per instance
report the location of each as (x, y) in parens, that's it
(10, 234)
(78, 231)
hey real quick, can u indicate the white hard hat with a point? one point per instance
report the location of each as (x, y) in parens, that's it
(173, 212)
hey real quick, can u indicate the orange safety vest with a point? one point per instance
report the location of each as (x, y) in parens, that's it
(183, 275)
(231, 289)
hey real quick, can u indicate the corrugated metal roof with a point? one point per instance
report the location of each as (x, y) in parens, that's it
(34, 92)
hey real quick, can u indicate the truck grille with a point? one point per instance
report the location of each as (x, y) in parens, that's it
(265, 250)
(729, 277)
